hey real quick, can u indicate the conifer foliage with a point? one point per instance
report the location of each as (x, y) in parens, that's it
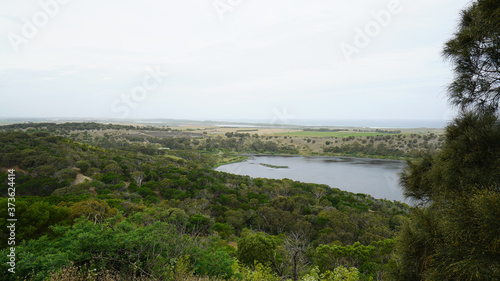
(454, 234)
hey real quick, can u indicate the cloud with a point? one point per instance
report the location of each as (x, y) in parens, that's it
(263, 55)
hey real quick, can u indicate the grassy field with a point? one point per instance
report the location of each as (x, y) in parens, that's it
(225, 141)
(229, 159)
(175, 157)
(341, 134)
(273, 166)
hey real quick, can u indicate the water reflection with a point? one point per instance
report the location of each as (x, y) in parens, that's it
(377, 177)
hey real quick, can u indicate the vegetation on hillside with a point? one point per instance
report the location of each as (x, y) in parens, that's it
(152, 140)
(157, 216)
(455, 233)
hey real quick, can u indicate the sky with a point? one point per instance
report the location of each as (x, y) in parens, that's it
(277, 61)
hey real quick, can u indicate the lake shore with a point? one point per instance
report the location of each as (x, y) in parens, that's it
(376, 177)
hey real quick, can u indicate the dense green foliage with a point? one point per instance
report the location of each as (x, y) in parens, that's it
(469, 159)
(455, 233)
(392, 146)
(160, 141)
(475, 53)
(128, 247)
(69, 127)
(175, 200)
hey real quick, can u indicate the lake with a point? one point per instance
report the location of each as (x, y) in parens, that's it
(377, 177)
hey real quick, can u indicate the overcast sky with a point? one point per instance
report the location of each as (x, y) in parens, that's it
(274, 60)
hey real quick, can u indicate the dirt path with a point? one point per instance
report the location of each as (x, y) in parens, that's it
(80, 178)
(5, 169)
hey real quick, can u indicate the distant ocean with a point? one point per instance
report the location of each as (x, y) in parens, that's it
(373, 123)
(377, 123)
(357, 123)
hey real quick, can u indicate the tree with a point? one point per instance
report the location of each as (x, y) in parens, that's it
(124, 248)
(446, 237)
(277, 221)
(235, 218)
(331, 256)
(339, 274)
(469, 159)
(93, 210)
(344, 274)
(475, 52)
(113, 168)
(452, 241)
(37, 217)
(214, 263)
(66, 175)
(255, 247)
(319, 192)
(83, 166)
(294, 250)
(454, 233)
(258, 273)
(138, 177)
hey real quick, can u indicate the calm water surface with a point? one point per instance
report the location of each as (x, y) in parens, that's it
(377, 177)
